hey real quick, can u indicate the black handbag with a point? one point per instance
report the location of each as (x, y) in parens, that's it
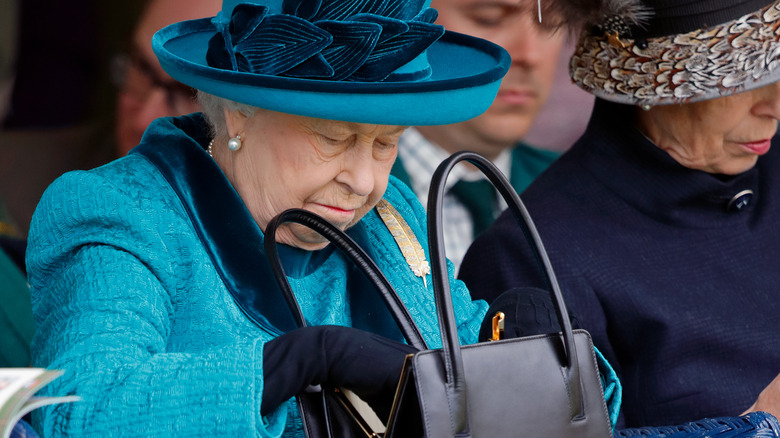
(537, 386)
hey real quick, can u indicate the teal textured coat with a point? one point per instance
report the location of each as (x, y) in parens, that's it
(150, 288)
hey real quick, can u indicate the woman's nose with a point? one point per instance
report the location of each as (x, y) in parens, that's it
(769, 101)
(358, 170)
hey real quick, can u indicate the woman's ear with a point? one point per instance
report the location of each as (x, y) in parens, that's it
(235, 121)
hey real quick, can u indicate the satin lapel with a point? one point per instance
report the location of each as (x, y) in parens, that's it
(223, 224)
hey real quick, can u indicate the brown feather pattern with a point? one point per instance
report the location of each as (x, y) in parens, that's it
(703, 64)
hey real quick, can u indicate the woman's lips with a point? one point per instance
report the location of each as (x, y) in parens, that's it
(336, 214)
(757, 147)
(339, 210)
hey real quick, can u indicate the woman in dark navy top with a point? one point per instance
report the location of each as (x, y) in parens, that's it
(662, 220)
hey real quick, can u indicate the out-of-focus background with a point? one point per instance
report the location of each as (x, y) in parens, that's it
(57, 99)
(565, 115)
(56, 95)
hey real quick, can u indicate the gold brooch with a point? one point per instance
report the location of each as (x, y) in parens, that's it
(410, 247)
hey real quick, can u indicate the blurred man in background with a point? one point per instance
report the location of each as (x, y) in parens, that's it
(471, 204)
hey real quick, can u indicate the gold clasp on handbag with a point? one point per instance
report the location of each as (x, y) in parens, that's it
(498, 326)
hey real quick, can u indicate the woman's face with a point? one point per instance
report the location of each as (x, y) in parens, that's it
(721, 136)
(338, 170)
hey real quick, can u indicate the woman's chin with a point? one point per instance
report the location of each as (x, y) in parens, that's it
(313, 242)
(311, 246)
(739, 165)
(302, 237)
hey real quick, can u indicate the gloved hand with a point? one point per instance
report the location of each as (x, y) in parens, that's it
(527, 311)
(530, 311)
(368, 364)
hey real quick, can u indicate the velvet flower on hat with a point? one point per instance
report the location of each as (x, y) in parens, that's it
(337, 40)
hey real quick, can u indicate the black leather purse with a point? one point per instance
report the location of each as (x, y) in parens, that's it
(538, 386)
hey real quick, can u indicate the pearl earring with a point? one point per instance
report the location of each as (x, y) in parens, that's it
(646, 107)
(234, 143)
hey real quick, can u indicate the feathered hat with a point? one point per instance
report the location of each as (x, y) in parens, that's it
(655, 52)
(366, 61)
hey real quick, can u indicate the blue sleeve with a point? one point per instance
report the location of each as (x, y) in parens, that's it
(105, 279)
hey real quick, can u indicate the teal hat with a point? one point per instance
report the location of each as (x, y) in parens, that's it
(365, 61)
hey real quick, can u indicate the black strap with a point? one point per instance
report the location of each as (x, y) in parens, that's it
(452, 357)
(353, 251)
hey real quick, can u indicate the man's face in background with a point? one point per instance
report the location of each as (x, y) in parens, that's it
(533, 48)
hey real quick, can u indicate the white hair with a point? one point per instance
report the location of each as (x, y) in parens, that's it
(214, 109)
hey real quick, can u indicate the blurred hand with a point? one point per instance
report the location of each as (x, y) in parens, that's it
(768, 400)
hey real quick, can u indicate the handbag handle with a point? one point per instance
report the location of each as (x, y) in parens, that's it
(353, 251)
(453, 359)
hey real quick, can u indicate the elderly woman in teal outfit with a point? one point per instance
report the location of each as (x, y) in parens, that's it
(151, 287)
(150, 284)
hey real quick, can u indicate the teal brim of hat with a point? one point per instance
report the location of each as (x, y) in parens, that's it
(466, 74)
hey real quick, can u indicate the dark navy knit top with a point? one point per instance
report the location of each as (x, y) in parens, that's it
(675, 272)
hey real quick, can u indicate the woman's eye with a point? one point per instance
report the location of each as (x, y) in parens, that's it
(334, 140)
(383, 150)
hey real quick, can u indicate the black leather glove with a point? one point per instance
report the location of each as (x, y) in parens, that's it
(345, 357)
(527, 311)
